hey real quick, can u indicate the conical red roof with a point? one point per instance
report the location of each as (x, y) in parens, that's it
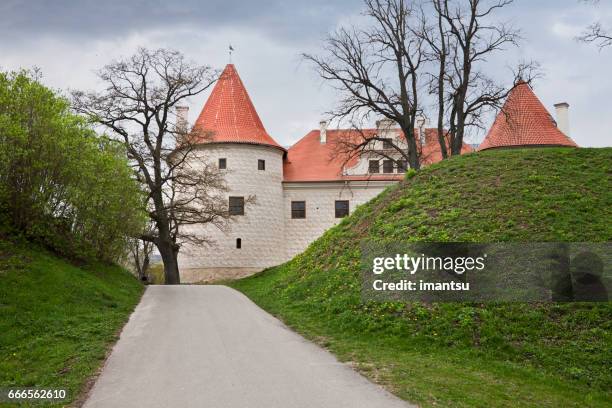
(229, 114)
(524, 121)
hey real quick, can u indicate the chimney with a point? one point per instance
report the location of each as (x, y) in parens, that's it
(182, 115)
(323, 133)
(563, 117)
(421, 121)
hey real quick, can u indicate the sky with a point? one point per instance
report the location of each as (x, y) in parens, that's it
(70, 40)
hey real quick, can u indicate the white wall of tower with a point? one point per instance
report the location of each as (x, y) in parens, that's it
(261, 228)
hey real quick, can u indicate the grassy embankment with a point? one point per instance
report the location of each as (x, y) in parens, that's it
(58, 320)
(460, 354)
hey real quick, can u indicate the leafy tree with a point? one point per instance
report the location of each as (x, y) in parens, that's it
(59, 182)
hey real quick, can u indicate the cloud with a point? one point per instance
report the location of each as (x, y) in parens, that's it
(566, 31)
(80, 20)
(69, 40)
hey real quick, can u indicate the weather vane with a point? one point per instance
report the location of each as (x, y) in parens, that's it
(230, 53)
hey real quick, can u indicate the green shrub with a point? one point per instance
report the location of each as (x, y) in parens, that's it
(60, 184)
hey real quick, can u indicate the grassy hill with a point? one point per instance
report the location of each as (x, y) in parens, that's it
(463, 354)
(57, 320)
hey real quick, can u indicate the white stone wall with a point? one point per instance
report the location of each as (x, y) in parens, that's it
(320, 208)
(269, 235)
(261, 228)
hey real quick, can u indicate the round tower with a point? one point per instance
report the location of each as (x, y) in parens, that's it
(235, 140)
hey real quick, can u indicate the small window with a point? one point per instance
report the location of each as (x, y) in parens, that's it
(388, 166)
(298, 209)
(222, 164)
(236, 206)
(342, 208)
(261, 164)
(402, 166)
(238, 243)
(387, 144)
(373, 166)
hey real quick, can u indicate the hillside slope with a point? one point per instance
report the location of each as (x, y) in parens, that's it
(460, 354)
(57, 320)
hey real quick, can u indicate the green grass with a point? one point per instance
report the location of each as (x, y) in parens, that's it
(463, 354)
(58, 320)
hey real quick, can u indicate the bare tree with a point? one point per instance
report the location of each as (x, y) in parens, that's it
(439, 41)
(461, 40)
(140, 252)
(376, 70)
(138, 106)
(416, 57)
(596, 33)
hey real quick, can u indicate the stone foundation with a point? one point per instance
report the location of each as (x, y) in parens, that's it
(211, 275)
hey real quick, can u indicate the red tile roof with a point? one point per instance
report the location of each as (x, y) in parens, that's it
(431, 152)
(229, 114)
(310, 160)
(524, 121)
(230, 117)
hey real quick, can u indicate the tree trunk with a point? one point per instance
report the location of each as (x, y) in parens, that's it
(441, 133)
(413, 155)
(169, 257)
(457, 141)
(144, 268)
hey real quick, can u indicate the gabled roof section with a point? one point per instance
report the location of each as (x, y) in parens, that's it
(309, 160)
(229, 115)
(524, 121)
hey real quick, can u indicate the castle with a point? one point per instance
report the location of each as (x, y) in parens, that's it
(300, 191)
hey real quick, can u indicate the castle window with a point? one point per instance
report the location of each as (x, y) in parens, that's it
(342, 208)
(238, 243)
(222, 164)
(261, 164)
(298, 209)
(387, 144)
(402, 166)
(373, 166)
(388, 166)
(236, 206)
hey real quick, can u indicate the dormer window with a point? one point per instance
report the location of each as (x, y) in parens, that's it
(387, 144)
(373, 166)
(388, 166)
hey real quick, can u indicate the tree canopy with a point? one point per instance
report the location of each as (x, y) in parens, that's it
(60, 183)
